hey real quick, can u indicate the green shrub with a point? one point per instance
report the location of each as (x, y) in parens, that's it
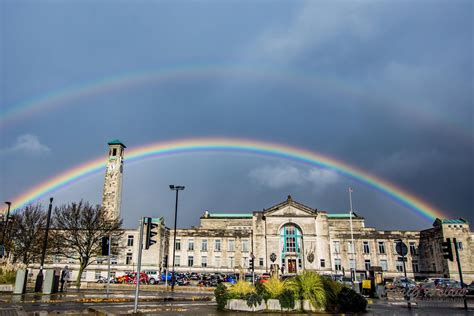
(349, 300)
(287, 299)
(7, 277)
(222, 295)
(274, 287)
(253, 299)
(241, 289)
(332, 289)
(309, 286)
(260, 290)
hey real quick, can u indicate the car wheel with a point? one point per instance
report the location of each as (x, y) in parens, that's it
(152, 281)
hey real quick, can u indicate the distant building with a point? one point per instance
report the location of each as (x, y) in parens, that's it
(288, 236)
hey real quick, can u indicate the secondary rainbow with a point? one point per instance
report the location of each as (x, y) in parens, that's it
(233, 145)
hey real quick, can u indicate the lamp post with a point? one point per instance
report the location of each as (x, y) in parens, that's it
(176, 188)
(39, 277)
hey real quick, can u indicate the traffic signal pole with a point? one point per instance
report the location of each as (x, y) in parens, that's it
(459, 270)
(139, 266)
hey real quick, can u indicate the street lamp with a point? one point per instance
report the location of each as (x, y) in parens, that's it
(176, 188)
(39, 277)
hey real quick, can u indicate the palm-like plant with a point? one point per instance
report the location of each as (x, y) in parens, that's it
(274, 286)
(241, 288)
(309, 286)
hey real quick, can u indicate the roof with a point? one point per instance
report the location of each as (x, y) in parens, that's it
(116, 142)
(230, 215)
(344, 215)
(451, 221)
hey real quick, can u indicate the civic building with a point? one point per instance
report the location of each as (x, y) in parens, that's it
(289, 237)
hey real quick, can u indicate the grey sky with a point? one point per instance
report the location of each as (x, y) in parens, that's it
(382, 85)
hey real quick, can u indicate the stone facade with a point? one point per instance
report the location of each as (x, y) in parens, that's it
(112, 193)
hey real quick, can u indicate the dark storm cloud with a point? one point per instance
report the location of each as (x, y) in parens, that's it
(385, 86)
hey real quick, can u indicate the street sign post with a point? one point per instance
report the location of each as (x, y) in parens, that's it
(402, 249)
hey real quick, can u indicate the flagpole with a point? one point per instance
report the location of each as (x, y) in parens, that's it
(352, 235)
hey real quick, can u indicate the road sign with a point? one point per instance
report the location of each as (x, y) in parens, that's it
(401, 248)
(402, 259)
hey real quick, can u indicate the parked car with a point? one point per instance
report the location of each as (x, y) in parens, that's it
(264, 278)
(153, 276)
(166, 277)
(102, 279)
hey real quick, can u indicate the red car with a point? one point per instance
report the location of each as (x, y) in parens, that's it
(130, 277)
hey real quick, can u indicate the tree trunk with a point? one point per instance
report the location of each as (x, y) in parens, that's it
(79, 275)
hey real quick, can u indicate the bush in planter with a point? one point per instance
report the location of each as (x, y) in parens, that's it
(349, 300)
(222, 295)
(253, 299)
(332, 289)
(274, 287)
(241, 289)
(287, 299)
(261, 290)
(309, 286)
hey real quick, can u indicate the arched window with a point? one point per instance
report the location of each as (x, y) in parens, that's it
(291, 238)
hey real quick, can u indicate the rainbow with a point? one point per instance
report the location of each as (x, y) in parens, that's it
(233, 145)
(66, 96)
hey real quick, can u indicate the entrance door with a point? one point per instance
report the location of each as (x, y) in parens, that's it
(291, 265)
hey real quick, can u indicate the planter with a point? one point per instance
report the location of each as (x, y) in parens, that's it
(6, 287)
(272, 305)
(241, 305)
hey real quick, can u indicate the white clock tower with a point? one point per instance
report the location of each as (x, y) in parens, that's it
(112, 195)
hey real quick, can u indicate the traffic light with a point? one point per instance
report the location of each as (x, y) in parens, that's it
(105, 246)
(165, 261)
(447, 250)
(251, 263)
(150, 233)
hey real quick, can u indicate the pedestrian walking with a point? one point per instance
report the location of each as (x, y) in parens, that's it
(65, 276)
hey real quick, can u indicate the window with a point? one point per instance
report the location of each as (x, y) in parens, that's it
(231, 262)
(260, 262)
(383, 265)
(350, 247)
(395, 247)
(128, 258)
(399, 265)
(337, 247)
(130, 241)
(415, 266)
(413, 251)
(83, 275)
(381, 247)
(459, 245)
(217, 245)
(114, 152)
(352, 264)
(203, 261)
(204, 245)
(97, 275)
(323, 263)
(190, 261)
(217, 261)
(177, 261)
(291, 238)
(366, 247)
(177, 245)
(337, 265)
(244, 262)
(433, 266)
(230, 245)
(245, 245)
(191, 245)
(367, 264)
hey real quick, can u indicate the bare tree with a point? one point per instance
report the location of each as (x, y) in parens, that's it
(78, 231)
(26, 233)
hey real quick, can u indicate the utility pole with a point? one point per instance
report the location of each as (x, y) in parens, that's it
(176, 188)
(459, 269)
(137, 278)
(108, 263)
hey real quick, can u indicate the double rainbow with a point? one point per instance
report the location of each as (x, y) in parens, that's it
(233, 145)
